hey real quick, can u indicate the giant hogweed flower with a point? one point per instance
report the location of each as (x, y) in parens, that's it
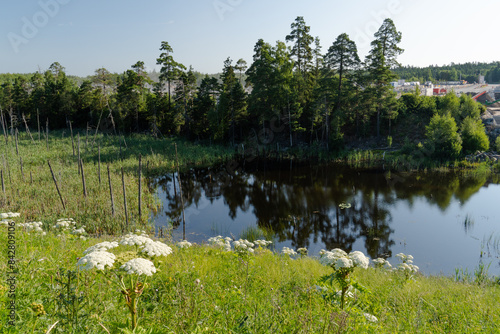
(156, 248)
(343, 265)
(101, 247)
(132, 239)
(139, 266)
(96, 259)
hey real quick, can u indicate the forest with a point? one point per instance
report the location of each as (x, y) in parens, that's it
(291, 94)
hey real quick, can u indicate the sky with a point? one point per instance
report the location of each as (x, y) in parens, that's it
(84, 35)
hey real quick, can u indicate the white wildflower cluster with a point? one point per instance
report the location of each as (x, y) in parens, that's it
(80, 230)
(339, 259)
(288, 251)
(184, 244)
(4, 215)
(381, 263)
(370, 317)
(243, 246)
(407, 265)
(65, 223)
(221, 242)
(132, 239)
(96, 259)
(101, 247)
(156, 248)
(343, 206)
(139, 266)
(302, 251)
(33, 227)
(262, 243)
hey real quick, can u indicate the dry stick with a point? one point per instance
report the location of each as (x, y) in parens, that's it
(87, 138)
(38, 121)
(96, 129)
(140, 185)
(28, 129)
(78, 135)
(83, 180)
(180, 193)
(72, 140)
(124, 199)
(57, 187)
(111, 195)
(15, 136)
(47, 138)
(3, 184)
(31, 178)
(3, 126)
(21, 162)
(99, 163)
(8, 169)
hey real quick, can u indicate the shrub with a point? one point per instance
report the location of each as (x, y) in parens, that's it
(442, 136)
(473, 136)
(497, 144)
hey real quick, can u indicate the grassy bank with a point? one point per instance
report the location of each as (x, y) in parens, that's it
(29, 187)
(204, 289)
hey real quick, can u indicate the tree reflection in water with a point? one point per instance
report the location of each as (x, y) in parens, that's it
(301, 205)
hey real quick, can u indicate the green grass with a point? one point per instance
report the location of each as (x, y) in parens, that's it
(270, 293)
(32, 191)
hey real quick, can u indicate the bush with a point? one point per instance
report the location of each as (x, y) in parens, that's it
(443, 138)
(497, 144)
(473, 136)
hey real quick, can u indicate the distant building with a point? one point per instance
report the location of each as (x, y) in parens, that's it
(481, 80)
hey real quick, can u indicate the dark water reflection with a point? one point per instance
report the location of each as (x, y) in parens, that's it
(422, 214)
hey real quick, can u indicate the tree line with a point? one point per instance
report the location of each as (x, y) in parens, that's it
(291, 90)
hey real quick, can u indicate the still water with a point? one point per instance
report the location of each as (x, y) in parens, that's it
(445, 220)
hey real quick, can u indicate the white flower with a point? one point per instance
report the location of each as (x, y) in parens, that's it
(262, 243)
(288, 251)
(32, 226)
(9, 215)
(64, 223)
(359, 259)
(343, 262)
(218, 241)
(302, 251)
(370, 317)
(101, 247)
(83, 238)
(184, 244)
(97, 260)
(4, 222)
(139, 266)
(156, 248)
(134, 240)
(328, 258)
(382, 263)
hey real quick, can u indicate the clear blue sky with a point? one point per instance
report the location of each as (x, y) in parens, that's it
(83, 35)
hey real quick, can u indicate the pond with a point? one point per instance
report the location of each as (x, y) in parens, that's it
(446, 220)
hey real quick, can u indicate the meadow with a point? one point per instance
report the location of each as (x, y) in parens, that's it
(208, 289)
(216, 287)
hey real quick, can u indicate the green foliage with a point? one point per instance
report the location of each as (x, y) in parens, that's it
(442, 137)
(283, 291)
(474, 136)
(497, 143)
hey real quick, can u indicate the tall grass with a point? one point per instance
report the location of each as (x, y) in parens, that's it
(31, 190)
(205, 290)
